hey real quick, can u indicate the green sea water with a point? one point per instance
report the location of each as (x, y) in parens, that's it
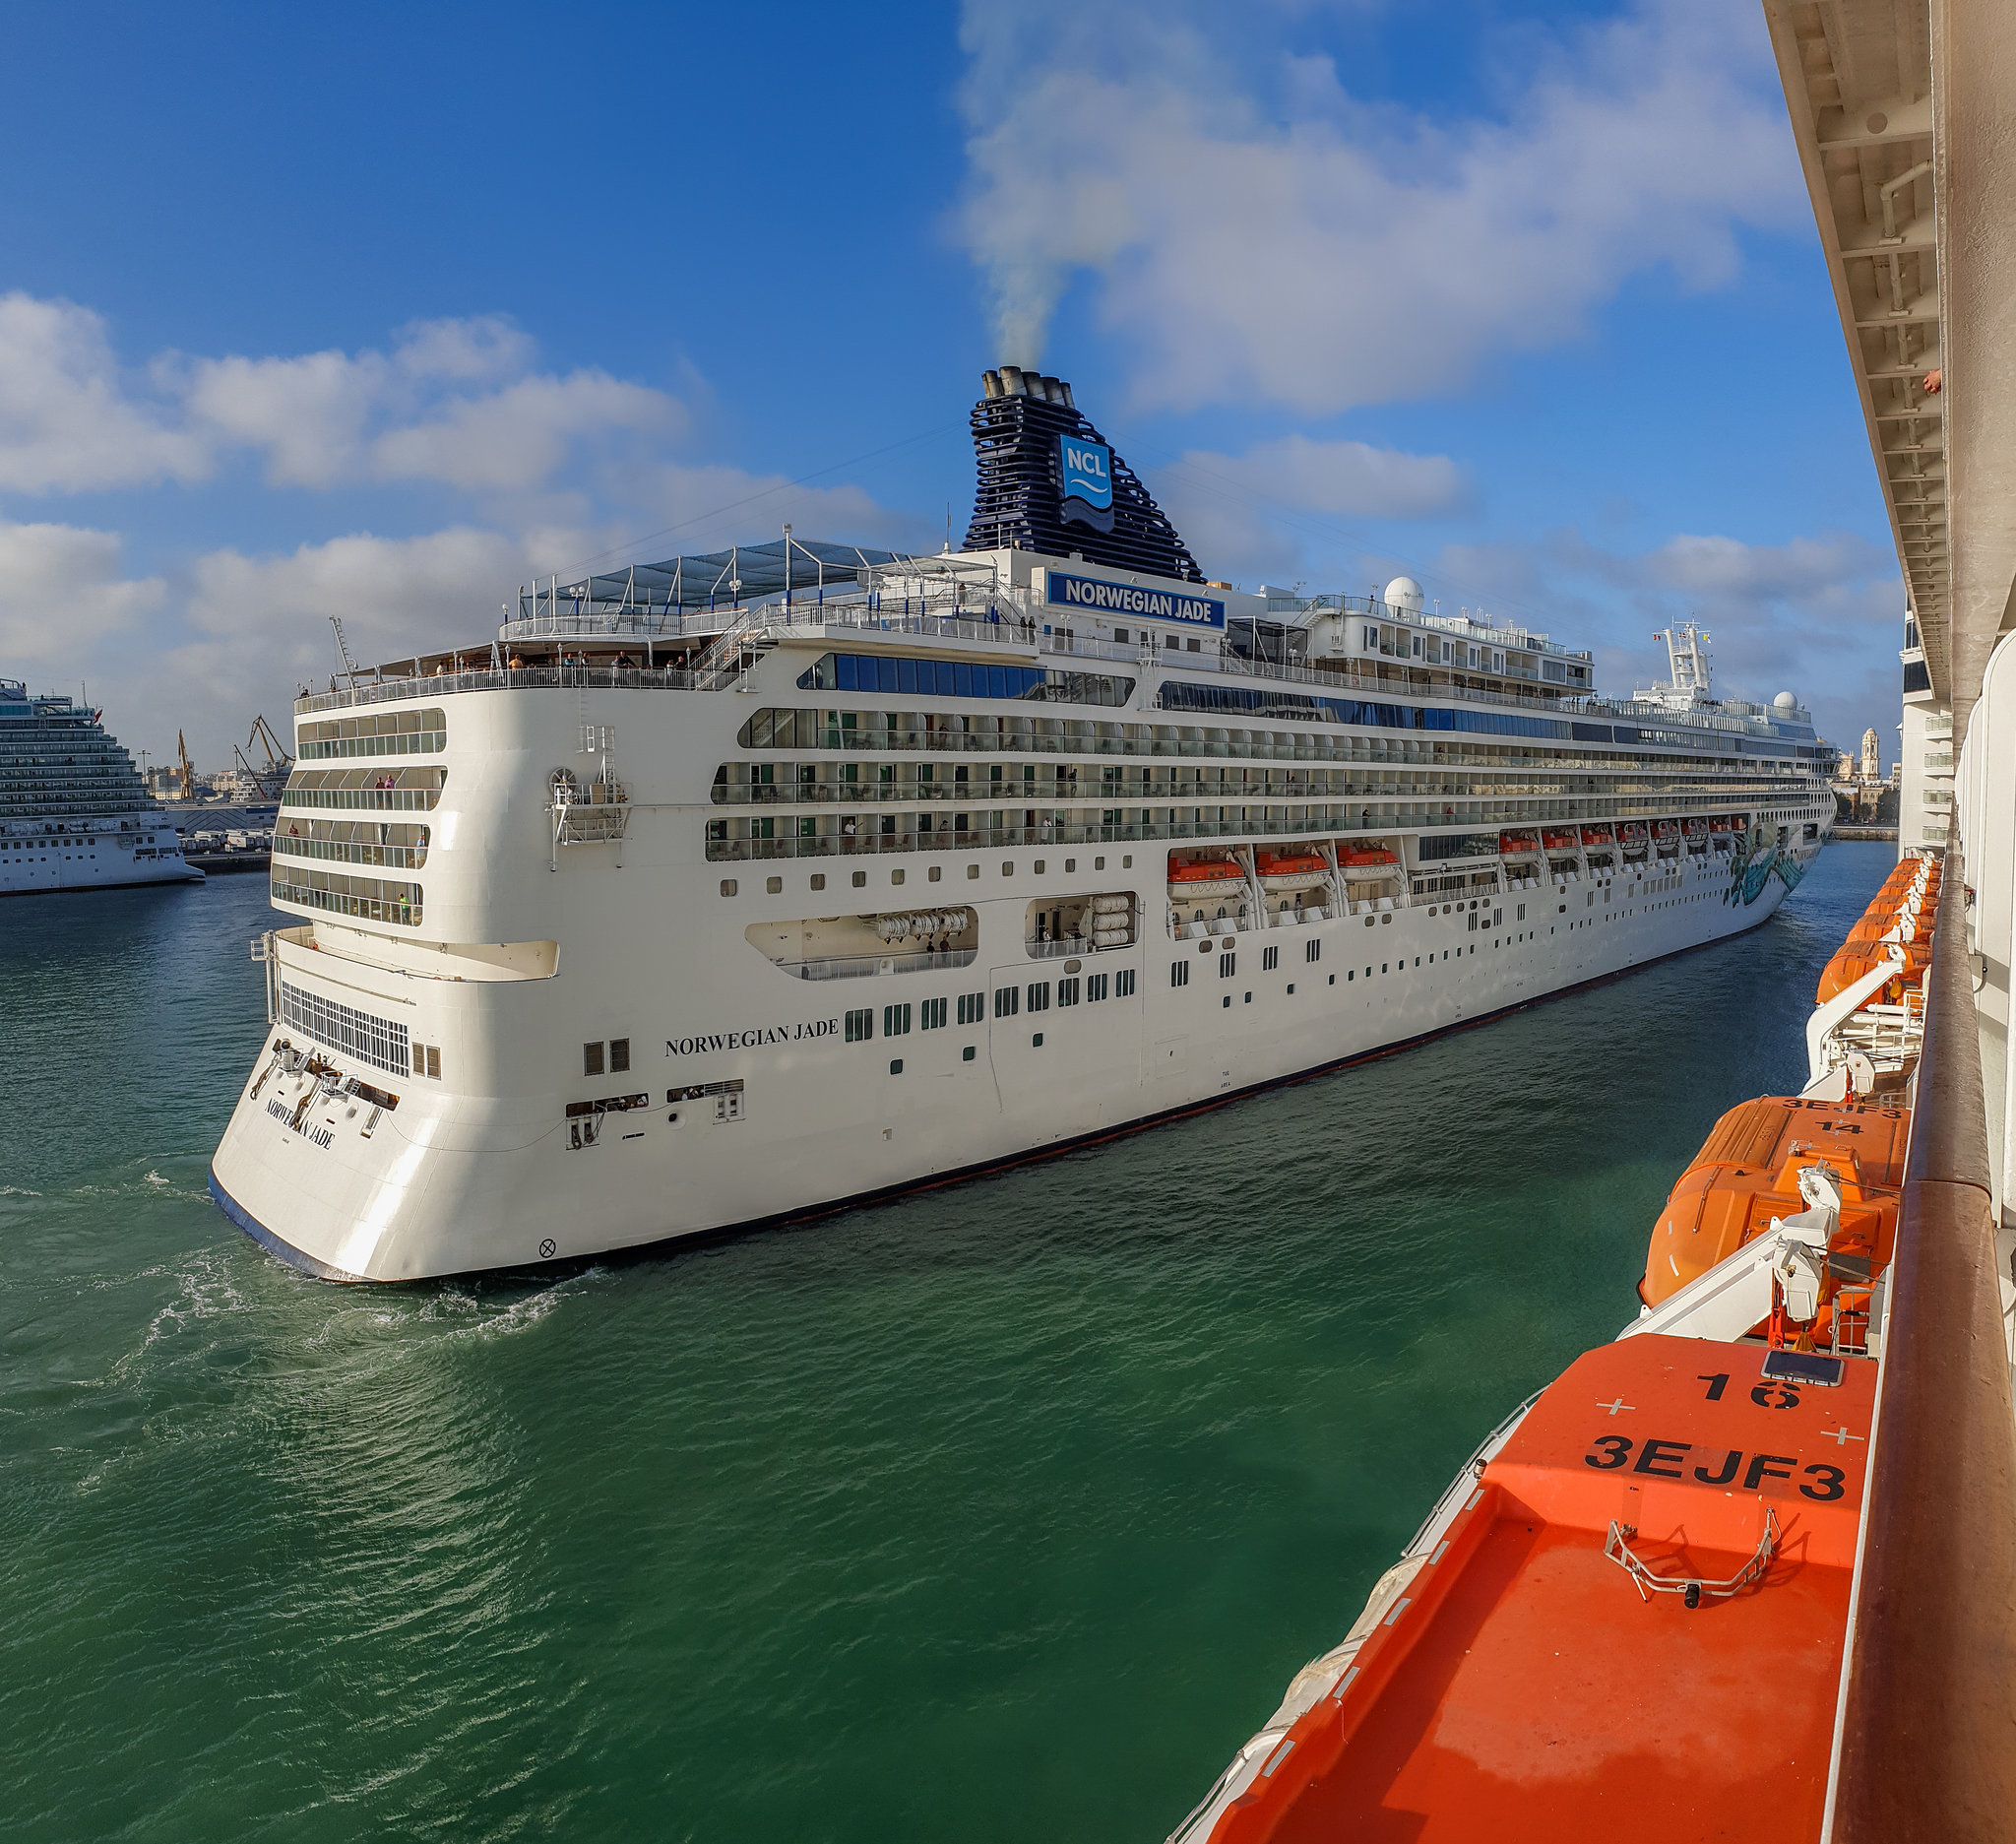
(999, 1513)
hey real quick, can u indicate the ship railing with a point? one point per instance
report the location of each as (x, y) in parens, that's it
(1306, 826)
(956, 625)
(504, 679)
(1926, 1737)
(1067, 946)
(864, 966)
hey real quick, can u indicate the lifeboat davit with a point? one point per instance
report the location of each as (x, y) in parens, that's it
(1366, 863)
(1694, 828)
(1195, 879)
(1666, 830)
(1560, 841)
(1632, 832)
(1292, 870)
(1747, 1172)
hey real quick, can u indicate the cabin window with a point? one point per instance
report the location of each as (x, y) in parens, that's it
(1180, 973)
(1123, 983)
(1227, 964)
(931, 1015)
(1038, 995)
(1067, 992)
(1270, 959)
(973, 1007)
(1312, 950)
(1094, 989)
(895, 1021)
(1007, 1001)
(860, 1025)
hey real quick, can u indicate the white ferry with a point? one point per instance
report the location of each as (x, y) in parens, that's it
(74, 815)
(725, 891)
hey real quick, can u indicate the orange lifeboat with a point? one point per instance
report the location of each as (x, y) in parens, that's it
(1597, 835)
(1194, 880)
(1290, 871)
(1853, 963)
(1517, 845)
(1747, 1172)
(1365, 862)
(1560, 841)
(1632, 832)
(1719, 826)
(1666, 830)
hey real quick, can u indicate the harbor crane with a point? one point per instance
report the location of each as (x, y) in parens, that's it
(267, 783)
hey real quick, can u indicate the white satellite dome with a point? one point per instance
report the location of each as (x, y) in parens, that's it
(1784, 701)
(1404, 593)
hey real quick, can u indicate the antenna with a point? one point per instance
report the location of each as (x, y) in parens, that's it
(350, 665)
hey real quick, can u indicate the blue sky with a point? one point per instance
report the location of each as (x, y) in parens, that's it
(381, 312)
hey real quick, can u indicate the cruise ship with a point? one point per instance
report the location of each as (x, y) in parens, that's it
(727, 890)
(74, 815)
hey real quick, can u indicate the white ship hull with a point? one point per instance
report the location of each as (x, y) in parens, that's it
(751, 1105)
(79, 859)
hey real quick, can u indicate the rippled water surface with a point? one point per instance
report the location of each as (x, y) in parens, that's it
(1006, 1513)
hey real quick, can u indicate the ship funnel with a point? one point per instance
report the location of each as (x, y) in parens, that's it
(990, 383)
(1011, 381)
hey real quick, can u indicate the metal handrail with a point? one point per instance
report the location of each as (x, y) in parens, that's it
(1926, 1744)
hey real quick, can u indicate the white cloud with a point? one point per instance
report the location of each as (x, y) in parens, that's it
(456, 402)
(67, 423)
(1264, 512)
(307, 414)
(1258, 234)
(518, 437)
(63, 593)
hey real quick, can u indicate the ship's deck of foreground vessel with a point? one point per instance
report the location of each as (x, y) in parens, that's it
(1527, 1687)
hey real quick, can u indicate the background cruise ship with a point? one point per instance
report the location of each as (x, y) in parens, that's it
(724, 890)
(73, 812)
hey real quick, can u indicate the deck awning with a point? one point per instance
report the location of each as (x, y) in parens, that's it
(714, 579)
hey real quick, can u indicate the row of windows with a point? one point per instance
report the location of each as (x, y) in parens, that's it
(382, 732)
(402, 790)
(960, 679)
(835, 835)
(368, 899)
(389, 844)
(792, 784)
(1036, 996)
(1026, 734)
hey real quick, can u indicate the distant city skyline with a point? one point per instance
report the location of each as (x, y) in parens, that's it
(383, 315)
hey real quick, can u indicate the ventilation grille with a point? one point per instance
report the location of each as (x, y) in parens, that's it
(341, 1028)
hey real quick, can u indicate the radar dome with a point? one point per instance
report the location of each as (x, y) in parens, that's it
(1784, 701)
(1404, 592)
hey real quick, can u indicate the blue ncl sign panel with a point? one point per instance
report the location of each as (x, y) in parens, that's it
(1088, 472)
